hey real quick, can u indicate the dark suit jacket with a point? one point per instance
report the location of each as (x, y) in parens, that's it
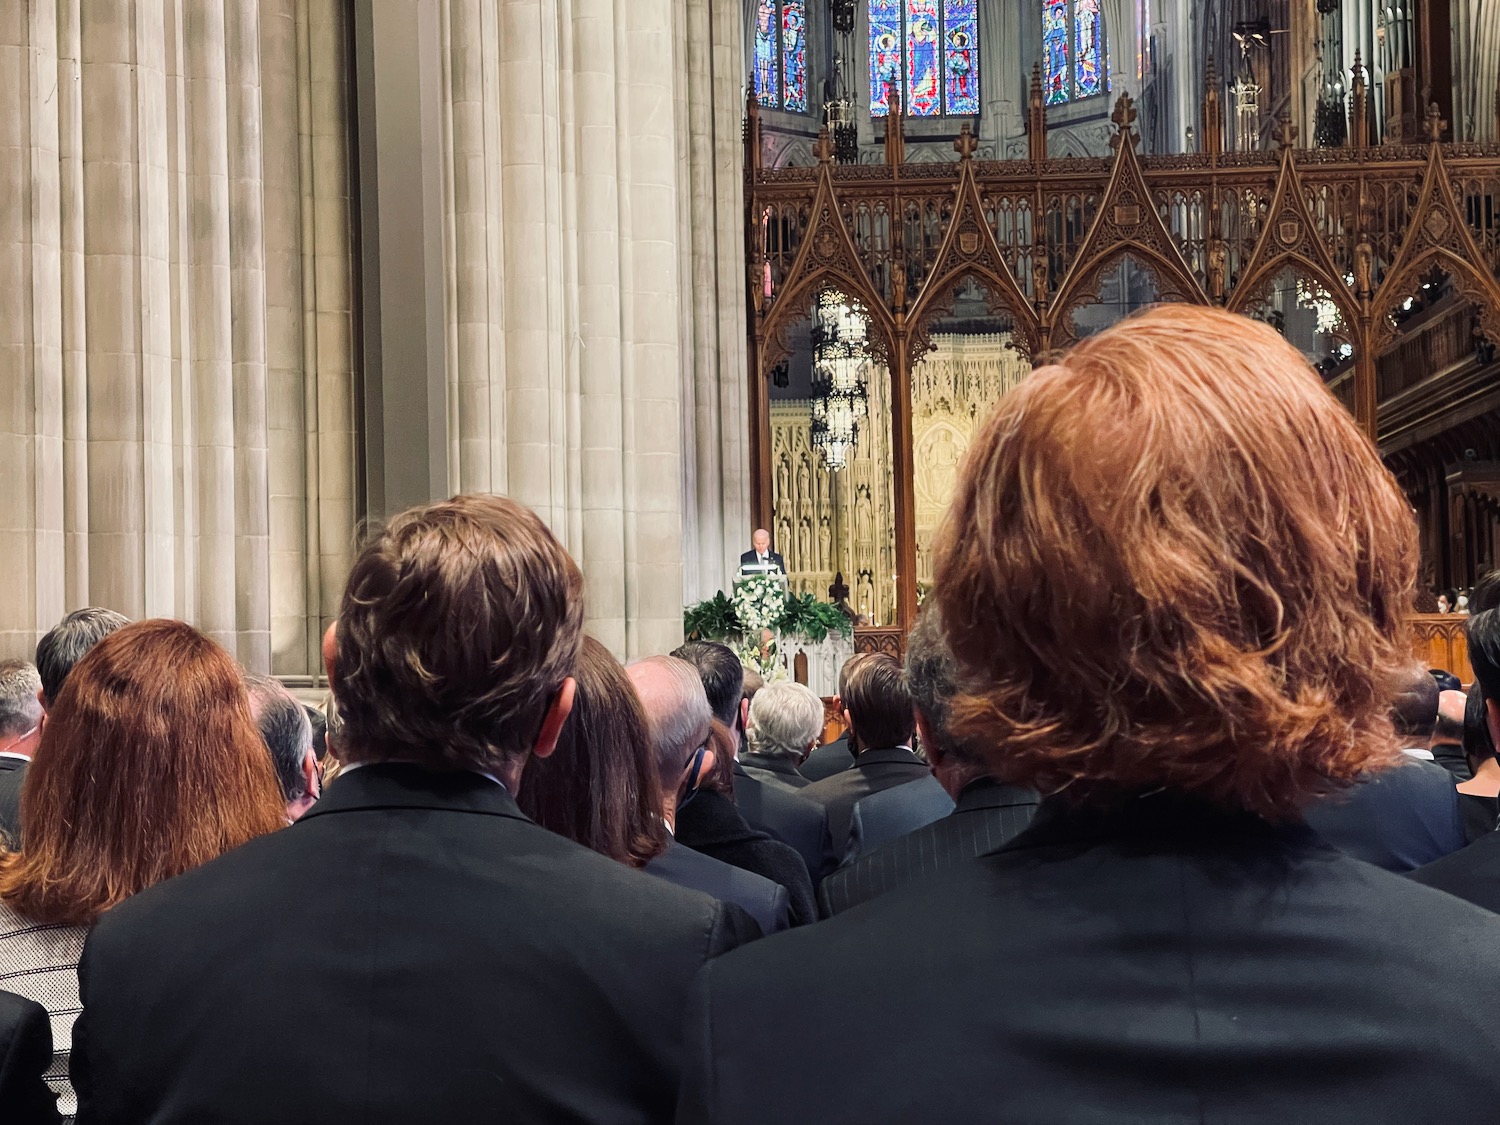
(1472, 874)
(25, 1055)
(763, 900)
(749, 558)
(1162, 962)
(988, 815)
(419, 949)
(789, 818)
(873, 771)
(885, 816)
(775, 768)
(710, 824)
(1399, 819)
(12, 774)
(825, 761)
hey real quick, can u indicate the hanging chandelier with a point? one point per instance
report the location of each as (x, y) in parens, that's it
(840, 370)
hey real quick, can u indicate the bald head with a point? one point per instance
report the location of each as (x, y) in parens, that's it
(677, 712)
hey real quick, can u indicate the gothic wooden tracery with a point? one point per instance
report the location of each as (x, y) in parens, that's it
(1359, 227)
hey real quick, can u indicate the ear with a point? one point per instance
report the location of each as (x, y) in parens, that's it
(708, 766)
(330, 650)
(744, 714)
(41, 697)
(310, 774)
(552, 722)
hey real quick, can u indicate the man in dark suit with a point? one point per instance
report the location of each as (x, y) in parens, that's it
(25, 1055)
(766, 806)
(20, 731)
(1400, 818)
(443, 957)
(686, 760)
(1157, 621)
(987, 813)
(838, 755)
(878, 710)
(1474, 872)
(892, 813)
(761, 555)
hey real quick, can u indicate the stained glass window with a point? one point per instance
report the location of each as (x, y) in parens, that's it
(780, 55)
(929, 51)
(1074, 59)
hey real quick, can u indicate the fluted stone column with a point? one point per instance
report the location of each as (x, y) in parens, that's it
(135, 404)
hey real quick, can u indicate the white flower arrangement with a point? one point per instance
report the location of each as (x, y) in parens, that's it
(764, 659)
(759, 602)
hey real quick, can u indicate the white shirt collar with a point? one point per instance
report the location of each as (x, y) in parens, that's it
(13, 754)
(1420, 754)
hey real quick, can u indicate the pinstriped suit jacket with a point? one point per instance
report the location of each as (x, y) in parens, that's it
(988, 815)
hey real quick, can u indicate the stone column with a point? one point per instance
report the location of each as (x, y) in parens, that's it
(135, 404)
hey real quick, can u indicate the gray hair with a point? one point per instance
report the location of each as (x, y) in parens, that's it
(932, 678)
(677, 712)
(66, 643)
(784, 719)
(285, 729)
(20, 710)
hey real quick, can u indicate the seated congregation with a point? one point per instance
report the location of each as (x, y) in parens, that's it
(1156, 821)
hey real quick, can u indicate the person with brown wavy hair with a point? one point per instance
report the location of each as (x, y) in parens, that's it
(1175, 578)
(149, 765)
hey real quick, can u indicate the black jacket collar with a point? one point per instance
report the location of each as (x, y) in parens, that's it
(711, 819)
(987, 793)
(771, 763)
(400, 785)
(887, 756)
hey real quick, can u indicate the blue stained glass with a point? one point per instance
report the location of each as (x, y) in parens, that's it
(1086, 23)
(961, 37)
(924, 89)
(794, 55)
(1055, 50)
(885, 52)
(767, 77)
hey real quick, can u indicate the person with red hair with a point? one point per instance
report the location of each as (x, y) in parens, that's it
(149, 765)
(1175, 579)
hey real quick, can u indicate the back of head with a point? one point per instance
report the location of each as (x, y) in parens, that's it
(785, 717)
(874, 692)
(286, 730)
(932, 678)
(66, 643)
(1486, 593)
(678, 717)
(722, 674)
(599, 786)
(1479, 744)
(1415, 710)
(459, 624)
(1483, 631)
(20, 710)
(1142, 591)
(150, 765)
(1452, 706)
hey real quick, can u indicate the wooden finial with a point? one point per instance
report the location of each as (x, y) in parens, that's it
(823, 150)
(1124, 118)
(1434, 123)
(895, 125)
(1036, 118)
(966, 143)
(1213, 114)
(1285, 131)
(1359, 106)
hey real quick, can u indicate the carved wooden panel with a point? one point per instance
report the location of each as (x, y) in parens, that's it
(1441, 642)
(891, 641)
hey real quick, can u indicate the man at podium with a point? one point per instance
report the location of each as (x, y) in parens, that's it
(761, 559)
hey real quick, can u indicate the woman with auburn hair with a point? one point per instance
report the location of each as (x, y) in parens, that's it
(149, 765)
(596, 788)
(1175, 578)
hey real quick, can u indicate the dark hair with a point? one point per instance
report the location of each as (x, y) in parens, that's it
(1483, 631)
(285, 729)
(66, 643)
(932, 679)
(1142, 592)
(1452, 596)
(1446, 681)
(599, 788)
(459, 623)
(1415, 708)
(319, 723)
(1486, 593)
(149, 765)
(1479, 745)
(878, 702)
(722, 674)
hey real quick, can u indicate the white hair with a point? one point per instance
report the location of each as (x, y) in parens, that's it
(20, 710)
(785, 717)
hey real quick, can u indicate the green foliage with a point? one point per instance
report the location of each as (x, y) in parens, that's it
(711, 620)
(805, 616)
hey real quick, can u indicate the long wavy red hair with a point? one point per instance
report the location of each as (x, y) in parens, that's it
(149, 765)
(1174, 561)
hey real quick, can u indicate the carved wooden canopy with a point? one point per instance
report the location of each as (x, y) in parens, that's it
(1365, 225)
